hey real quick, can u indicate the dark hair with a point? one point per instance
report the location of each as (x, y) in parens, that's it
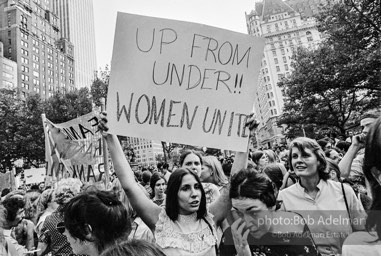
(322, 143)
(274, 172)
(250, 184)
(332, 166)
(302, 143)
(343, 145)
(257, 155)
(165, 165)
(156, 176)
(146, 177)
(5, 192)
(172, 202)
(187, 152)
(12, 203)
(135, 247)
(372, 161)
(97, 216)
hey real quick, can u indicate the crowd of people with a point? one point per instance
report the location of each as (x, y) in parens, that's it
(313, 197)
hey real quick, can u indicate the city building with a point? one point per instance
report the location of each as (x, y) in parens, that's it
(285, 25)
(145, 150)
(8, 71)
(77, 26)
(31, 37)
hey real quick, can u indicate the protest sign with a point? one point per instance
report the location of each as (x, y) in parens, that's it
(34, 175)
(75, 148)
(182, 82)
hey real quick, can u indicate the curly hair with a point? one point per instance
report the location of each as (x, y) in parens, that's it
(66, 190)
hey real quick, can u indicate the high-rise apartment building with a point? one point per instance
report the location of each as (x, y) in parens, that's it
(8, 71)
(285, 25)
(146, 150)
(29, 30)
(77, 26)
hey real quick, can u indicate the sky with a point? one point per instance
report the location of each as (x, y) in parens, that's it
(226, 14)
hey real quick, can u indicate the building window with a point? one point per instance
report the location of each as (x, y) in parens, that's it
(277, 69)
(274, 52)
(284, 59)
(286, 67)
(275, 60)
(282, 51)
(7, 75)
(7, 67)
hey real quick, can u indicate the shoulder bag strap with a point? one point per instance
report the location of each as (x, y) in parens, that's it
(345, 200)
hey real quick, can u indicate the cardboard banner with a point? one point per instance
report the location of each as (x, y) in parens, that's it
(34, 176)
(74, 148)
(182, 82)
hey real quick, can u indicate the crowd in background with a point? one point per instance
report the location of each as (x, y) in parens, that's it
(211, 204)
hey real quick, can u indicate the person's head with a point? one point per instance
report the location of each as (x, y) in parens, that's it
(227, 168)
(93, 220)
(260, 159)
(146, 177)
(372, 171)
(135, 247)
(30, 207)
(158, 185)
(253, 197)
(45, 200)
(185, 194)
(274, 172)
(367, 119)
(334, 155)
(324, 144)
(192, 160)
(334, 170)
(307, 159)
(41, 186)
(14, 204)
(343, 146)
(271, 156)
(66, 190)
(212, 171)
(159, 166)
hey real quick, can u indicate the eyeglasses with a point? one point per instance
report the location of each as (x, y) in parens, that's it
(60, 227)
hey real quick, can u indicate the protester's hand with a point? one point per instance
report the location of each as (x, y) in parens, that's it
(358, 141)
(240, 237)
(251, 122)
(102, 123)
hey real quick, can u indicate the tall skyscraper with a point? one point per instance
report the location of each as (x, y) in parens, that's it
(77, 26)
(286, 25)
(8, 71)
(31, 37)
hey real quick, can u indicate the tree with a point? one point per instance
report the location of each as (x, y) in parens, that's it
(10, 116)
(31, 132)
(317, 94)
(64, 107)
(333, 85)
(99, 87)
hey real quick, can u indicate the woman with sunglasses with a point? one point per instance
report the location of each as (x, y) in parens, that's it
(94, 220)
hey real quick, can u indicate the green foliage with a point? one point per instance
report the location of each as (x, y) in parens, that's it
(21, 129)
(99, 87)
(332, 85)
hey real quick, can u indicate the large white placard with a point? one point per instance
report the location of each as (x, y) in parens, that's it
(35, 175)
(182, 82)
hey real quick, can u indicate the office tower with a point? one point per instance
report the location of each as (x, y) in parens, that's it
(31, 37)
(8, 71)
(77, 26)
(285, 25)
(145, 150)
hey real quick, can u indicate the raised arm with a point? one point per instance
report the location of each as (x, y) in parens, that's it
(222, 206)
(145, 208)
(346, 162)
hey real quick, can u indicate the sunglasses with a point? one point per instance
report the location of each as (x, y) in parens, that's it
(60, 227)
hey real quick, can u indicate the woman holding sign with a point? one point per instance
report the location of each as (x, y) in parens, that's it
(185, 226)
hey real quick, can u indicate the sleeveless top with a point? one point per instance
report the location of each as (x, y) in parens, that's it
(186, 236)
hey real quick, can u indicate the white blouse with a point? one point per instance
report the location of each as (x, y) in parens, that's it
(186, 236)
